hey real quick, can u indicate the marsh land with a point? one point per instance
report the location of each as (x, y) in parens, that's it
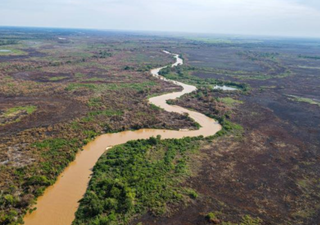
(60, 89)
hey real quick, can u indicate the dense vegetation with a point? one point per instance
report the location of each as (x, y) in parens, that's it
(183, 74)
(137, 177)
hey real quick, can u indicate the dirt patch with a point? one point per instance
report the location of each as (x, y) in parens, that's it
(43, 77)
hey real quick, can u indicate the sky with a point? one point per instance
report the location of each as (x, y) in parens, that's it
(297, 18)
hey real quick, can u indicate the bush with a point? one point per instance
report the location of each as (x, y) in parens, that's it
(212, 217)
(192, 193)
(248, 220)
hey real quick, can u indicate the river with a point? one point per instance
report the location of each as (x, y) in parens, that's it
(59, 202)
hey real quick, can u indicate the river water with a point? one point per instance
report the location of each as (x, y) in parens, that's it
(59, 203)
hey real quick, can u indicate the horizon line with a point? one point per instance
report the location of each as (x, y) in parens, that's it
(168, 32)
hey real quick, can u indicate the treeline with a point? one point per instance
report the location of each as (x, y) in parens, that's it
(308, 57)
(8, 42)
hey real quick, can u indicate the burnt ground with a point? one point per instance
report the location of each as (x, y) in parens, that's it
(271, 171)
(50, 110)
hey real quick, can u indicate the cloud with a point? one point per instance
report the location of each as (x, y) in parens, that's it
(272, 17)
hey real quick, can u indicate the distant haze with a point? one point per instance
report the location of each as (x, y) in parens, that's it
(299, 18)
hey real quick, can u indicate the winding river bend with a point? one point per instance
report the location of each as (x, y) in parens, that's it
(60, 201)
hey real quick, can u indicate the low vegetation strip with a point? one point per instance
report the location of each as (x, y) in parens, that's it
(137, 177)
(15, 114)
(100, 88)
(230, 101)
(183, 74)
(301, 99)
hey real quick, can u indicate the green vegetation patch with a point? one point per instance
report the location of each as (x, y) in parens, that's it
(230, 101)
(183, 74)
(136, 177)
(15, 114)
(9, 51)
(95, 79)
(301, 99)
(109, 112)
(228, 127)
(213, 217)
(57, 78)
(248, 220)
(75, 86)
(95, 102)
(29, 109)
(99, 88)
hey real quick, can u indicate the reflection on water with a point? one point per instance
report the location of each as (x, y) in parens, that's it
(60, 201)
(225, 88)
(5, 50)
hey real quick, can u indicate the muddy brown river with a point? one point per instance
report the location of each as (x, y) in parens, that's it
(59, 202)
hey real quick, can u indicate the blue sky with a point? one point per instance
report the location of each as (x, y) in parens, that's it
(252, 17)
